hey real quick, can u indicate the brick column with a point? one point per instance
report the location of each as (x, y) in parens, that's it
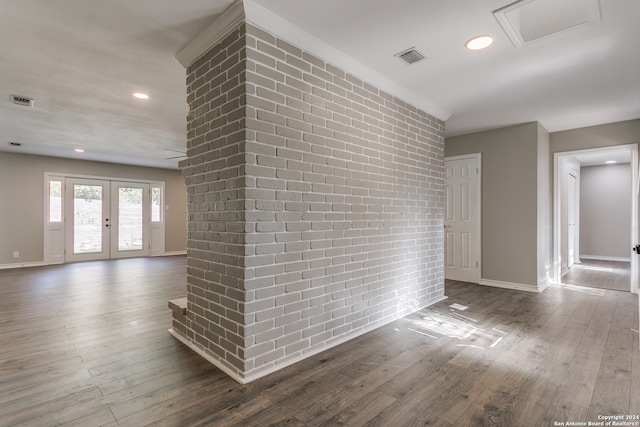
(215, 177)
(315, 205)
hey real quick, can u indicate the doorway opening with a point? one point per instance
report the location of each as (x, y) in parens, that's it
(595, 215)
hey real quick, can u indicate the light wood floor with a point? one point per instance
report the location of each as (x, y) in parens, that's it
(87, 344)
(614, 275)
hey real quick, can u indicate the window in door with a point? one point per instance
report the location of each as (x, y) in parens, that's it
(87, 218)
(131, 219)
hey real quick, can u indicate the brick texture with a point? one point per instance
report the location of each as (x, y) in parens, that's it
(214, 173)
(315, 204)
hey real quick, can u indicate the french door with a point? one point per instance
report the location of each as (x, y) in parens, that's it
(106, 219)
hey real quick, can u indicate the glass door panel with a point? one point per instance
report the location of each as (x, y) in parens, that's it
(54, 236)
(87, 219)
(131, 215)
(130, 219)
(88, 213)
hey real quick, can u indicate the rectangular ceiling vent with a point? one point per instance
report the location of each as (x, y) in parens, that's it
(22, 100)
(411, 56)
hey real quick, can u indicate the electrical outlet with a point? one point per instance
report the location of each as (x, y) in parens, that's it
(16, 254)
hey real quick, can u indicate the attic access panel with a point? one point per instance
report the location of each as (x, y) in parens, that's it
(528, 20)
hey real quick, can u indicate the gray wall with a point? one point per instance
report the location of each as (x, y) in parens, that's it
(315, 209)
(607, 135)
(509, 230)
(605, 211)
(619, 133)
(509, 199)
(22, 196)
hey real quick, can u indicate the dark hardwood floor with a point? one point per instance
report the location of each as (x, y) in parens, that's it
(594, 273)
(86, 344)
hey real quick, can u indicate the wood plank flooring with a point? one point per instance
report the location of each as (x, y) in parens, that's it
(594, 273)
(86, 344)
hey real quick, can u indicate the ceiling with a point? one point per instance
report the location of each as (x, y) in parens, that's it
(601, 157)
(81, 60)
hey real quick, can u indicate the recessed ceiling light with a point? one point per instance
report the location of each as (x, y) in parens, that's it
(479, 42)
(141, 95)
(79, 150)
(610, 162)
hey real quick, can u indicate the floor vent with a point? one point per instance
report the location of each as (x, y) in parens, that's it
(411, 56)
(22, 100)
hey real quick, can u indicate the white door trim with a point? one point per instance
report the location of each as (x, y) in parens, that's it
(478, 158)
(573, 207)
(557, 226)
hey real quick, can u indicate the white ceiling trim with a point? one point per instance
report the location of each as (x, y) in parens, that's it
(212, 35)
(269, 21)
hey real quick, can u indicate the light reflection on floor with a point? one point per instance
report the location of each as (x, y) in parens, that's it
(438, 324)
(586, 290)
(593, 267)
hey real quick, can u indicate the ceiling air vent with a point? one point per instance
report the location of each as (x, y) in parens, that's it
(411, 56)
(22, 100)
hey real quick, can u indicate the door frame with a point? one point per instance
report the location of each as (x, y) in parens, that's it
(573, 213)
(53, 251)
(557, 200)
(478, 158)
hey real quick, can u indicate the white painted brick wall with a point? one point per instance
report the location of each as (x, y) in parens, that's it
(315, 204)
(361, 175)
(214, 173)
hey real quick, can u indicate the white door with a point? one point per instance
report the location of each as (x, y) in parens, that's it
(106, 219)
(87, 217)
(572, 203)
(462, 218)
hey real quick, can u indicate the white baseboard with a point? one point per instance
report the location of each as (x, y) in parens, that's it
(515, 286)
(259, 374)
(43, 263)
(252, 376)
(25, 264)
(605, 258)
(174, 253)
(543, 284)
(215, 362)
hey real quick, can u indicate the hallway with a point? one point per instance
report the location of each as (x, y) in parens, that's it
(613, 275)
